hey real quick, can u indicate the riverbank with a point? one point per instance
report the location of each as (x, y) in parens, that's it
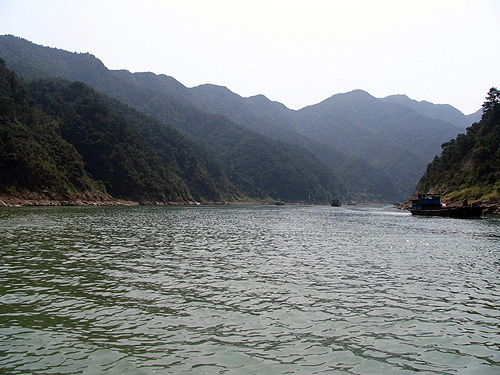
(27, 199)
(490, 206)
(32, 199)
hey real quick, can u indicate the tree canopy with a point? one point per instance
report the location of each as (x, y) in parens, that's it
(469, 166)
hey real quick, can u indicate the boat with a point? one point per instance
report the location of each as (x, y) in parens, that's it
(430, 205)
(336, 203)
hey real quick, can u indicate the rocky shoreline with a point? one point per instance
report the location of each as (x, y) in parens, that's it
(90, 198)
(52, 199)
(48, 199)
(490, 207)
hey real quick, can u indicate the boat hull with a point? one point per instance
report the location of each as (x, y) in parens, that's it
(455, 212)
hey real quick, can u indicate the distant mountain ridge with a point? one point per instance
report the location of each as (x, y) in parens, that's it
(378, 148)
(350, 156)
(63, 142)
(259, 168)
(391, 137)
(443, 112)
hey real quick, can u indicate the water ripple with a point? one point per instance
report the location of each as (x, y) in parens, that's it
(214, 290)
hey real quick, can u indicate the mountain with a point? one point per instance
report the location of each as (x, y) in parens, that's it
(114, 142)
(35, 161)
(274, 120)
(469, 165)
(383, 144)
(389, 136)
(62, 141)
(260, 167)
(443, 112)
(377, 148)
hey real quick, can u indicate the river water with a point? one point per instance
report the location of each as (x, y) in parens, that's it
(247, 290)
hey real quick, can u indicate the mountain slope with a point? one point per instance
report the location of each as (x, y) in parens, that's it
(443, 112)
(34, 158)
(276, 121)
(469, 165)
(113, 150)
(389, 136)
(289, 172)
(256, 164)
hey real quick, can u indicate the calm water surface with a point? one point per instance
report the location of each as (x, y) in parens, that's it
(247, 290)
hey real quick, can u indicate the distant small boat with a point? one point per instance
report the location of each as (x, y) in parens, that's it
(430, 205)
(336, 203)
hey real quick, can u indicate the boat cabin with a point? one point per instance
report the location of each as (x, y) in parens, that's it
(336, 202)
(426, 202)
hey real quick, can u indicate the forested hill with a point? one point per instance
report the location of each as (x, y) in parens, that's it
(377, 148)
(443, 112)
(135, 156)
(36, 163)
(469, 165)
(55, 146)
(255, 166)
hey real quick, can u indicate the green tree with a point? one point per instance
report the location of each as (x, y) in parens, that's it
(492, 102)
(469, 166)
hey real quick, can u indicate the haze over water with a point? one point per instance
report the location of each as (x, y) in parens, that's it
(247, 290)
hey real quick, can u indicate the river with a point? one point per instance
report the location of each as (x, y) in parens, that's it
(247, 290)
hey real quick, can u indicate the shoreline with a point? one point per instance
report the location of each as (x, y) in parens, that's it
(30, 199)
(490, 207)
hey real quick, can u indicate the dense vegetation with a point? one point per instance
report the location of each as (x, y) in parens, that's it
(135, 156)
(469, 166)
(392, 138)
(363, 181)
(55, 135)
(33, 155)
(258, 167)
(113, 151)
(377, 148)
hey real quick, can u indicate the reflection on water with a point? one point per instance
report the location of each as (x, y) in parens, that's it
(250, 290)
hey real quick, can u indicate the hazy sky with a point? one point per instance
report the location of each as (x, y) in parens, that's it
(294, 52)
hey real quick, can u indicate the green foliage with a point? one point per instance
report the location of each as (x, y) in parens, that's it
(469, 166)
(33, 156)
(75, 131)
(261, 167)
(114, 151)
(274, 120)
(233, 165)
(492, 101)
(476, 192)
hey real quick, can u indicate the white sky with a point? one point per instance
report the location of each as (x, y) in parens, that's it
(294, 52)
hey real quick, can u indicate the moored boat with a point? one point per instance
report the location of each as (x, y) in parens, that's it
(430, 205)
(336, 202)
